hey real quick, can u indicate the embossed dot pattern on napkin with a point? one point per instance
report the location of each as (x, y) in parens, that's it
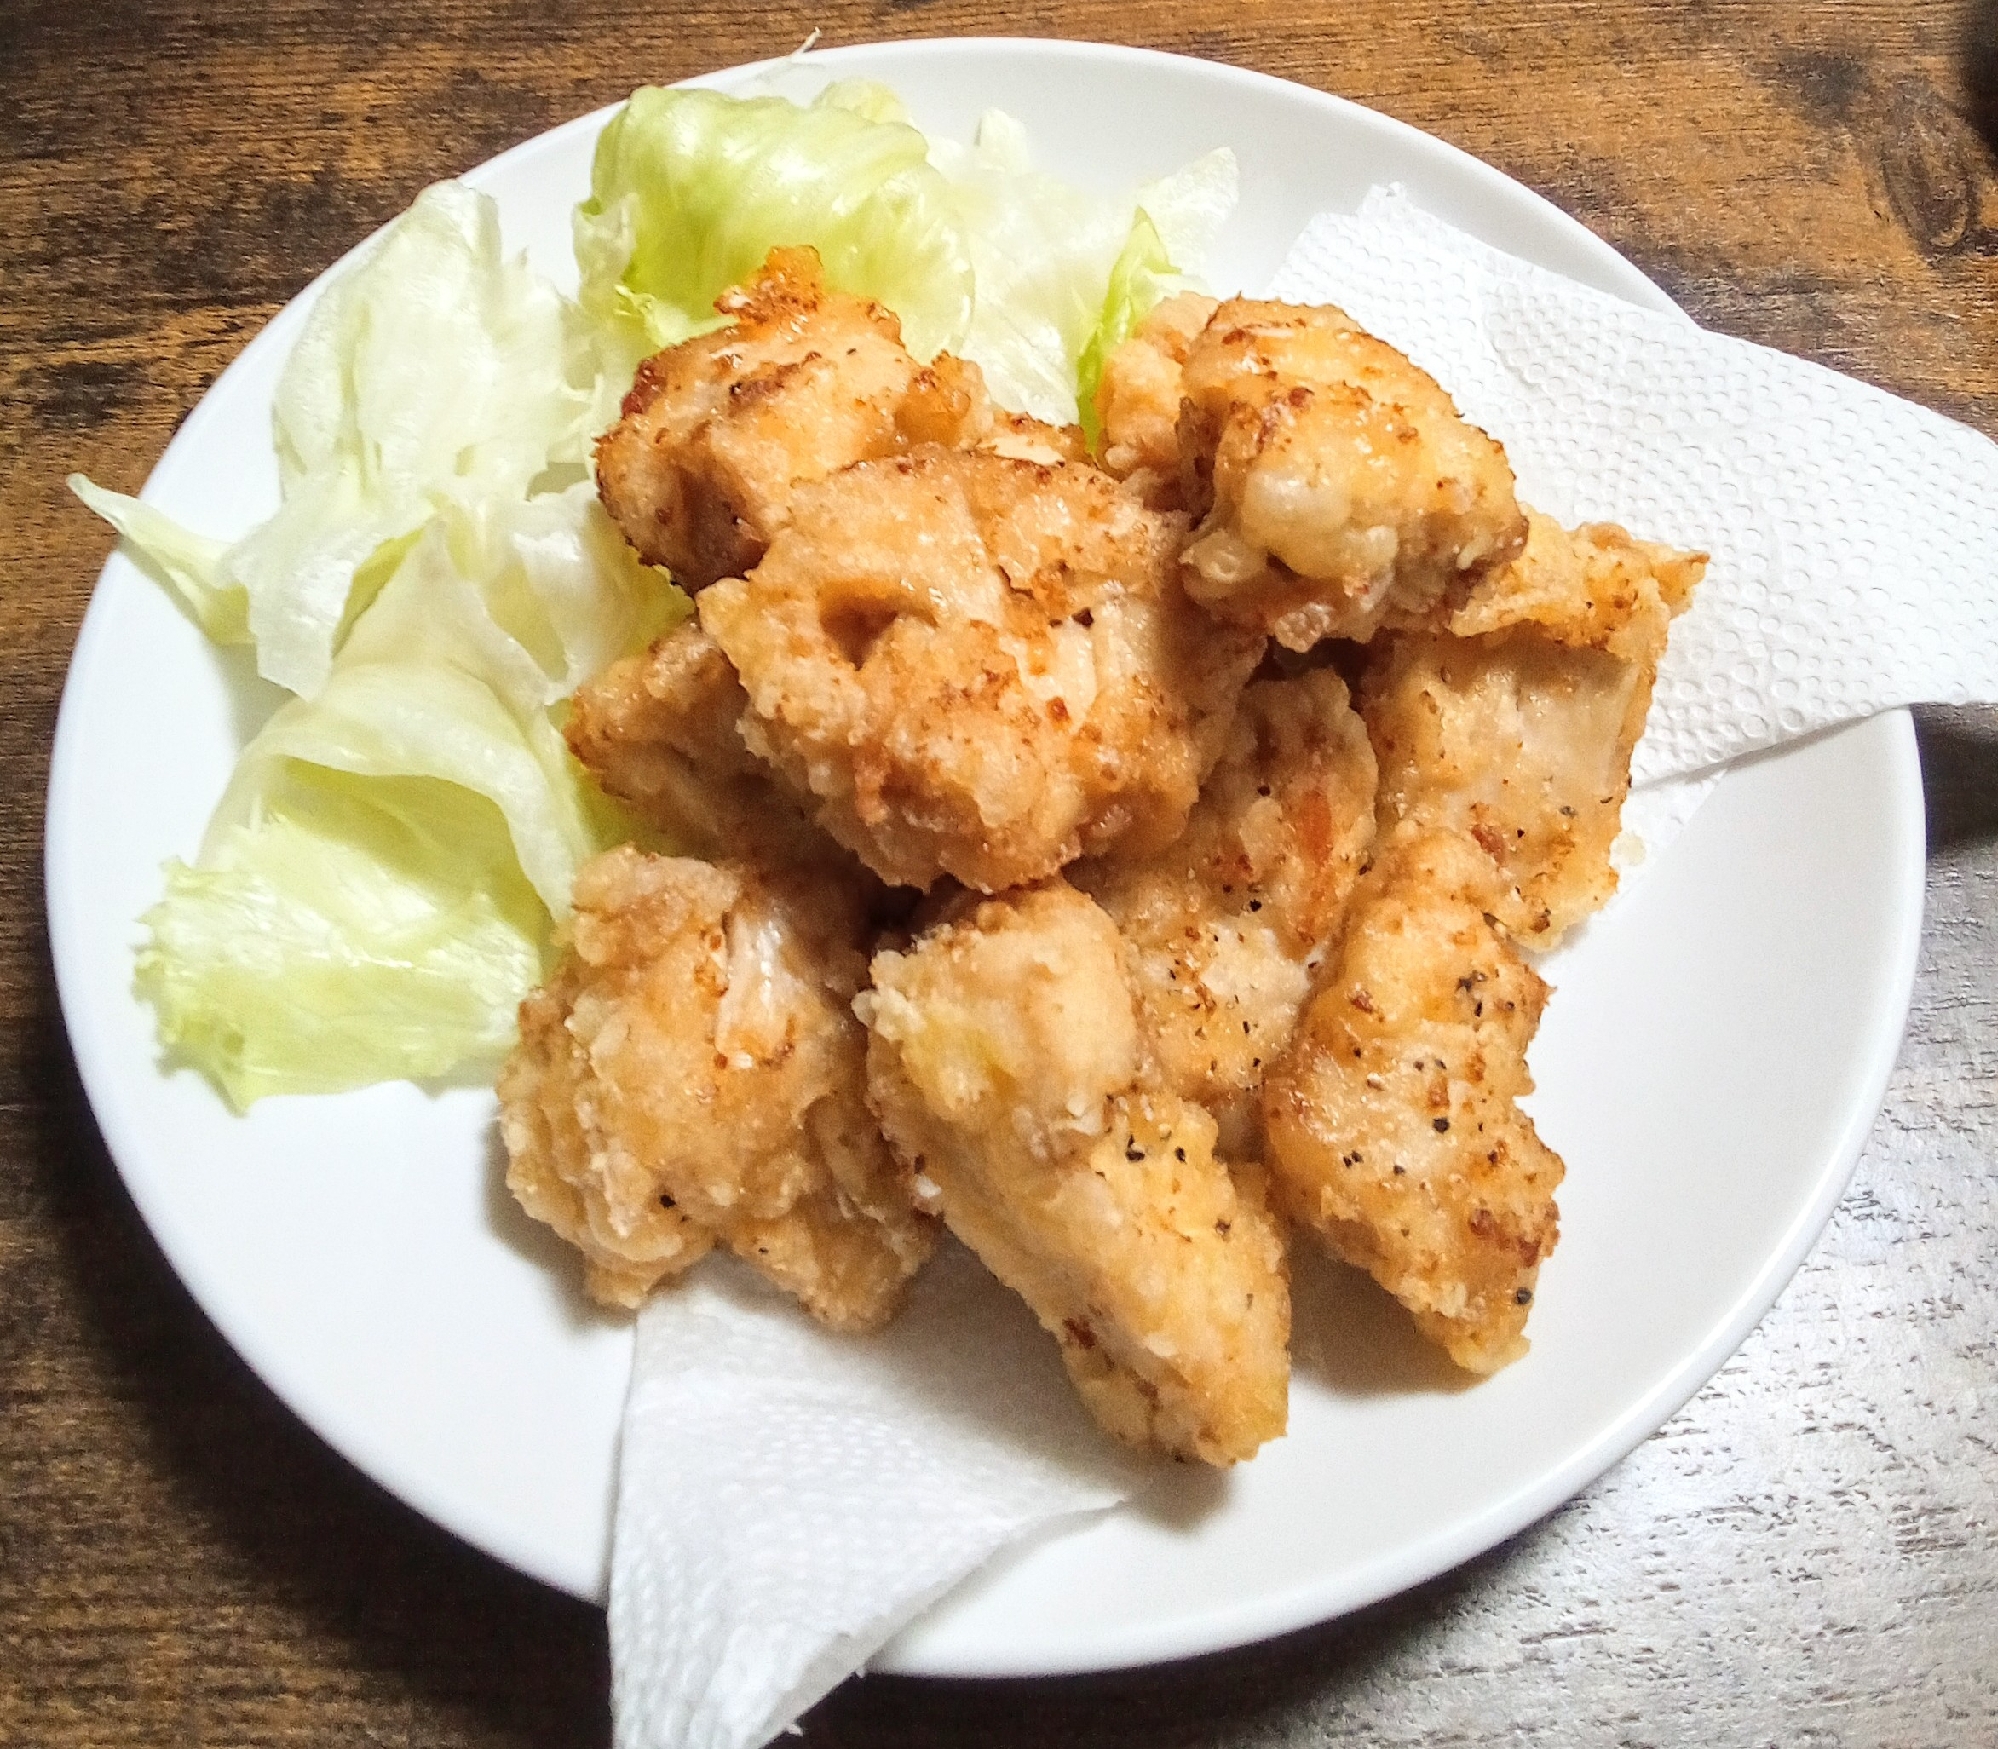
(1854, 535)
(789, 1498)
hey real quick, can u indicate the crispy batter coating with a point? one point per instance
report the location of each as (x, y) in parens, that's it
(979, 666)
(1340, 488)
(1008, 1065)
(693, 1067)
(1596, 587)
(936, 638)
(1516, 727)
(661, 731)
(559, 1172)
(1027, 439)
(1223, 928)
(718, 432)
(1138, 399)
(1394, 1123)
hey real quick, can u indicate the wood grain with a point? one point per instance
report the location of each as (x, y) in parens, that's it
(1804, 1556)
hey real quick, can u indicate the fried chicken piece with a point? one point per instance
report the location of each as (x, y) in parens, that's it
(1008, 1065)
(693, 1067)
(1516, 728)
(1223, 928)
(1340, 488)
(1596, 587)
(1394, 1124)
(718, 432)
(1138, 398)
(630, 1242)
(979, 666)
(1027, 439)
(661, 731)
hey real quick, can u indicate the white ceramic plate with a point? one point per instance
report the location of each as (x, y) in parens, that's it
(1709, 1067)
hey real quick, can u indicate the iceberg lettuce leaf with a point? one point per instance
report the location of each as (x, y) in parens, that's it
(431, 372)
(379, 881)
(350, 932)
(189, 564)
(1044, 253)
(434, 370)
(690, 190)
(971, 246)
(497, 612)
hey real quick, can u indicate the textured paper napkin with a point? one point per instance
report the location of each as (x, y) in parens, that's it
(789, 1499)
(1854, 535)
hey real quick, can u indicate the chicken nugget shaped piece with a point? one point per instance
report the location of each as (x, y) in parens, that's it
(1516, 726)
(694, 1056)
(1339, 487)
(1008, 1066)
(1394, 1122)
(718, 432)
(979, 666)
(1596, 587)
(1223, 928)
(630, 1243)
(661, 731)
(1138, 398)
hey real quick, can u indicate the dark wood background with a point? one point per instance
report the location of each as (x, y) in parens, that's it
(1805, 1555)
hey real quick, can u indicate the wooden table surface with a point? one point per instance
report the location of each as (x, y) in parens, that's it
(1805, 1555)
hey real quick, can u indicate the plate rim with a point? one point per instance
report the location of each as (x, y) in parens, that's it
(1274, 1613)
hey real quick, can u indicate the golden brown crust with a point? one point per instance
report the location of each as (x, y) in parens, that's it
(629, 1244)
(1339, 488)
(1516, 727)
(1027, 439)
(1009, 1069)
(693, 1068)
(661, 731)
(717, 433)
(942, 637)
(979, 666)
(1223, 928)
(1138, 399)
(1394, 1122)
(1596, 587)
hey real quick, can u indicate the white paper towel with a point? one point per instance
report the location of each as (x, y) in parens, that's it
(789, 1498)
(1854, 535)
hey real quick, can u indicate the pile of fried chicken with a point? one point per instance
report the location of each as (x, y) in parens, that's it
(1122, 860)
